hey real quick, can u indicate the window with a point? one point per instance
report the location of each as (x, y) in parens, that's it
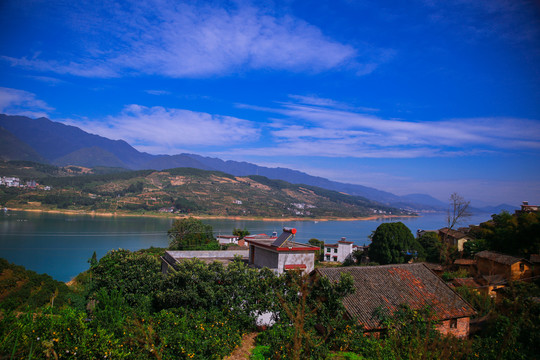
(335, 250)
(327, 249)
(521, 267)
(453, 323)
(327, 257)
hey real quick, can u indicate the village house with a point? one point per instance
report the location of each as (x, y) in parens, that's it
(454, 237)
(526, 208)
(387, 287)
(9, 181)
(339, 252)
(510, 268)
(282, 253)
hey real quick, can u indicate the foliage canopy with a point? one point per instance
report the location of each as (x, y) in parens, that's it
(191, 234)
(393, 243)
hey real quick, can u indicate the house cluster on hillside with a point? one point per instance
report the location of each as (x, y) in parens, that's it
(9, 181)
(491, 271)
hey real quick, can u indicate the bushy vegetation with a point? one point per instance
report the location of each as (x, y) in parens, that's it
(128, 312)
(21, 289)
(393, 243)
(191, 234)
(510, 234)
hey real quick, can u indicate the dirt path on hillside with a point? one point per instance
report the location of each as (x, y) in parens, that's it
(244, 351)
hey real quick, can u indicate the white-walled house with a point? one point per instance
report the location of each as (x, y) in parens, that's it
(282, 253)
(339, 252)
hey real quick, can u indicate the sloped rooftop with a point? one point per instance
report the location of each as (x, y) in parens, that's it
(498, 257)
(389, 286)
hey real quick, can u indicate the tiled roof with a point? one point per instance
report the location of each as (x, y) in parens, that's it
(498, 257)
(389, 286)
(468, 282)
(453, 233)
(434, 266)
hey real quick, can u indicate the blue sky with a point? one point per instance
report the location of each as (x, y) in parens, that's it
(425, 96)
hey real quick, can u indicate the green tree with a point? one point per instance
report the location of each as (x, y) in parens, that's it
(393, 243)
(432, 246)
(191, 234)
(136, 276)
(511, 234)
(240, 233)
(319, 254)
(310, 315)
(93, 260)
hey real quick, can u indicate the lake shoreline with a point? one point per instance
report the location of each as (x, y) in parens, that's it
(203, 217)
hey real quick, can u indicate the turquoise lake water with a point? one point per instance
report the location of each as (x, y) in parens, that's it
(60, 245)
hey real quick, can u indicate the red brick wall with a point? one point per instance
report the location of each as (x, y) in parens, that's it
(460, 331)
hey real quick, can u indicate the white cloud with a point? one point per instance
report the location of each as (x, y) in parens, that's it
(20, 102)
(322, 127)
(184, 40)
(171, 131)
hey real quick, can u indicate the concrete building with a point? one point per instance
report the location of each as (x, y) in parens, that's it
(282, 253)
(526, 208)
(339, 252)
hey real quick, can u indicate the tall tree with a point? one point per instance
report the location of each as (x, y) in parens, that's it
(458, 211)
(191, 234)
(393, 243)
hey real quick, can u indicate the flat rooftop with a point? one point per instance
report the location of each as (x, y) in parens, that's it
(207, 256)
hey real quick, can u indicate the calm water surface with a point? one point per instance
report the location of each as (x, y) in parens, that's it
(60, 245)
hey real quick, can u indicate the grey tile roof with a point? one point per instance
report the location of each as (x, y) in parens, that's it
(498, 257)
(389, 286)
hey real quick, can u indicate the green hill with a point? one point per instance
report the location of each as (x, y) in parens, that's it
(185, 191)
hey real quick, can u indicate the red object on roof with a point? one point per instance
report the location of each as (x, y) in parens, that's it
(295, 267)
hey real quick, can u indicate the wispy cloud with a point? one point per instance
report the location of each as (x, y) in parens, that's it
(20, 102)
(321, 127)
(158, 92)
(184, 40)
(170, 131)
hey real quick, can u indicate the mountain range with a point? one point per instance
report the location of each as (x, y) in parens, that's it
(45, 141)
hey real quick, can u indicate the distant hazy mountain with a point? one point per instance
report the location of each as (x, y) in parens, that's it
(499, 208)
(61, 144)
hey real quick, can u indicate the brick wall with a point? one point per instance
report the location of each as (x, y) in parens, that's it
(461, 329)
